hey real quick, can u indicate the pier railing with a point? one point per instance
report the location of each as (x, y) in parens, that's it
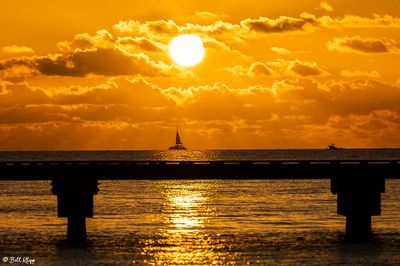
(357, 183)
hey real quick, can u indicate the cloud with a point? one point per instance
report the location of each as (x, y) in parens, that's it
(353, 21)
(284, 51)
(219, 29)
(259, 69)
(103, 62)
(16, 70)
(104, 40)
(163, 30)
(16, 95)
(325, 7)
(306, 69)
(213, 45)
(363, 97)
(297, 68)
(137, 44)
(15, 49)
(108, 114)
(84, 41)
(281, 24)
(98, 61)
(160, 29)
(304, 97)
(363, 45)
(278, 68)
(119, 99)
(157, 29)
(117, 91)
(256, 69)
(280, 50)
(359, 74)
(236, 70)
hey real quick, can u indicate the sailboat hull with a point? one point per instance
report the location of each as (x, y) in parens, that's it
(177, 147)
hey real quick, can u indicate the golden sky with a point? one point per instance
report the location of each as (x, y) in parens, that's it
(276, 74)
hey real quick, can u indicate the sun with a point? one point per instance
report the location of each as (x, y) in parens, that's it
(186, 50)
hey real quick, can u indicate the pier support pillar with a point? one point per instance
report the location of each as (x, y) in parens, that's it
(358, 227)
(358, 199)
(76, 229)
(75, 201)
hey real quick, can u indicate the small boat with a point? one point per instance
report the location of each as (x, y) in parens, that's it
(332, 147)
(178, 143)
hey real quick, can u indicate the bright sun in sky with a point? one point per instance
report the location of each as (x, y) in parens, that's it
(186, 50)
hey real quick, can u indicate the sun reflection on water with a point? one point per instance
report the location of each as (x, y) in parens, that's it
(183, 212)
(183, 238)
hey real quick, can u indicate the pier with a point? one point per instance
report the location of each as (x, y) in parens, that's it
(358, 184)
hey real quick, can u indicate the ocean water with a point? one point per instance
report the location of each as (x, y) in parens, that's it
(197, 222)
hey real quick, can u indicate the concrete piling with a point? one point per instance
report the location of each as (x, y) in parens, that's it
(75, 201)
(358, 198)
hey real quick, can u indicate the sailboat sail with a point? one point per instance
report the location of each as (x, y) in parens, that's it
(178, 139)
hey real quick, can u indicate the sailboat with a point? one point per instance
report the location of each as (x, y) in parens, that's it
(178, 143)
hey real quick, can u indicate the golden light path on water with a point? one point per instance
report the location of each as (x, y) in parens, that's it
(185, 213)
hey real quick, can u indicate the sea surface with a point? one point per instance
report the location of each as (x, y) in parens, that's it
(197, 222)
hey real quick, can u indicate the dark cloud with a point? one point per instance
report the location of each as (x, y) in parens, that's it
(281, 24)
(306, 69)
(363, 45)
(109, 62)
(99, 61)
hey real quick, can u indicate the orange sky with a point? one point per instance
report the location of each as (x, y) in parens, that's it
(290, 74)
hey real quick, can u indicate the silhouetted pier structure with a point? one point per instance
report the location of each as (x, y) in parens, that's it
(357, 183)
